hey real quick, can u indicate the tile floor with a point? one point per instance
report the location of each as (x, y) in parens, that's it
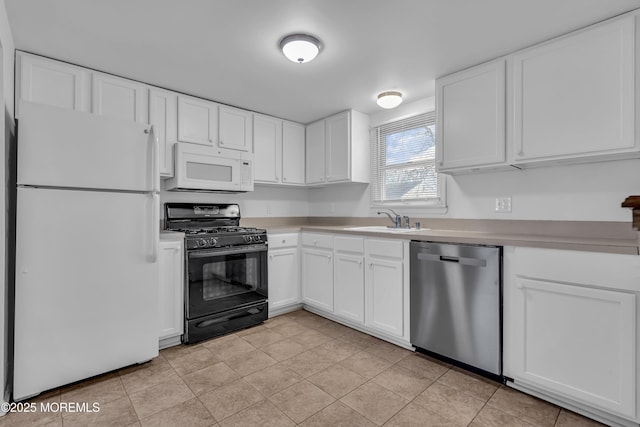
(296, 369)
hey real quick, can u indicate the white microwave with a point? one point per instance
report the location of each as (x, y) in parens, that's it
(202, 168)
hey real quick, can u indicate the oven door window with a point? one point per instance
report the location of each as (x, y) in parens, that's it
(219, 281)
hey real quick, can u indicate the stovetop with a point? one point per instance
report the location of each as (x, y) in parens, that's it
(211, 225)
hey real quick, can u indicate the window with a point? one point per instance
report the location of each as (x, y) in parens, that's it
(403, 163)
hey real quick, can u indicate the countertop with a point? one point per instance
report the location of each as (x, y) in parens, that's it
(609, 237)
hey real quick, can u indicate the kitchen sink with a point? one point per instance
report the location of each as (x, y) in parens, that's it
(382, 229)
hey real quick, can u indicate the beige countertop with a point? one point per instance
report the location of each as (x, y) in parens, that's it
(594, 236)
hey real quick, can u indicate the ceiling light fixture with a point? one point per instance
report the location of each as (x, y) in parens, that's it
(300, 48)
(389, 99)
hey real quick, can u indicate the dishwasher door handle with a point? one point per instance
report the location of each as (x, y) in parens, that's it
(475, 262)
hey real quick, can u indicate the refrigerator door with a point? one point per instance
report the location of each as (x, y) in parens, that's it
(72, 149)
(86, 285)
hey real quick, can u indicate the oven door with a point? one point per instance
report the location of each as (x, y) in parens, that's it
(223, 279)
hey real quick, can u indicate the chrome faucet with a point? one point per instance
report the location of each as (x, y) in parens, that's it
(396, 219)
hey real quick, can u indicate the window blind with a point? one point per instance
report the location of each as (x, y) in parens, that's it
(403, 161)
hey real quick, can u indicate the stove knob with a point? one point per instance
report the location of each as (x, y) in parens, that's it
(213, 241)
(202, 242)
(257, 238)
(249, 238)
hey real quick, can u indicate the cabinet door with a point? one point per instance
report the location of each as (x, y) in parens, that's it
(384, 295)
(338, 140)
(348, 286)
(317, 278)
(236, 129)
(120, 98)
(267, 145)
(560, 345)
(315, 153)
(197, 120)
(470, 122)
(163, 115)
(574, 96)
(293, 153)
(170, 289)
(284, 278)
(49, 82)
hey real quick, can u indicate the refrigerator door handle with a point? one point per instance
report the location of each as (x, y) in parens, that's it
(154, 154)
(155, 227)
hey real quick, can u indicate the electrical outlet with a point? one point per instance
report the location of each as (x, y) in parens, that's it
(333, 208)
(503, 204)
(268, 209)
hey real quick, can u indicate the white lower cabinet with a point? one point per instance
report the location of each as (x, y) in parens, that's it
(348, 278)
(317, 270)
(284, 273)
(362, 282)
(385, 286)
(171, 291)
(571, 329)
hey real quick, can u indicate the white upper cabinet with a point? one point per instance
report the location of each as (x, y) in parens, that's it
(197, 120)
(470, 122)
(236, 129)
(163, 115)
(293, 153)
(119, 98)
(574, 97)
(267, 146)
(344, 141)
(347, 147)
(279, 146)
(315, 153)
(49, 82)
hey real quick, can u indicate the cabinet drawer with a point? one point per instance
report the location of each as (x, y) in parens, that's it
(317, 240)
(385, 248)
(348, 244)
(283, 240)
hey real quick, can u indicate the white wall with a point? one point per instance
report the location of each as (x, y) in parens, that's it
(587, 192)
(6, 130)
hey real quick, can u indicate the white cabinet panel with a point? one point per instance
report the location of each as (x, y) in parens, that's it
(197, 120)
(163, 115)
(562, 345)
(267, 146)
(284, 271)
(49, 82)
(284, 278)
(315, 157)
(236, 129)
(338, 141)
(384, 295)
(574, 96)
(348, 275)
(119, 98)
(571, 328)
(171, 289)
(470, 123)
(293, 153)
(317, 278)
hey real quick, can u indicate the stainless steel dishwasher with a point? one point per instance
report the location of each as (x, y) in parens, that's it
(456, 304)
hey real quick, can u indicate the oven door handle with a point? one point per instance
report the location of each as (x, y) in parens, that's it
(198, 253)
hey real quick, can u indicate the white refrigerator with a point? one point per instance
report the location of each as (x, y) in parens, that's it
(87, 235)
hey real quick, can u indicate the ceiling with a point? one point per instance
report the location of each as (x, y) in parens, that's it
(227, 50)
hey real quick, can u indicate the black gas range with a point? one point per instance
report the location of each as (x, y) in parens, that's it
(226, 286)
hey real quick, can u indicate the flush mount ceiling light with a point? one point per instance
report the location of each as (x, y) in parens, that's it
(300, 48)
(389, 99)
